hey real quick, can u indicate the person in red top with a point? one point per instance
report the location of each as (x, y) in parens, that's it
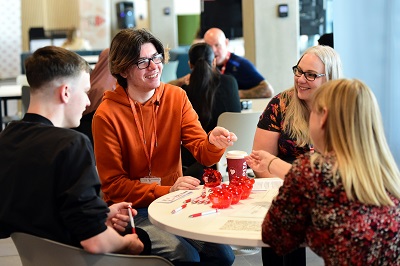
(138, 130)
(343, 201)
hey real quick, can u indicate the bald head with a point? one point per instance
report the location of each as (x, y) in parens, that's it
(217, 40)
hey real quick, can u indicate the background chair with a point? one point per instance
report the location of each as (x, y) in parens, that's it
(37, 251)
(244, 126)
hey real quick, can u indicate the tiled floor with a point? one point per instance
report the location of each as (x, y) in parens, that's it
(9, 257)
(255, 260)
(8, 253)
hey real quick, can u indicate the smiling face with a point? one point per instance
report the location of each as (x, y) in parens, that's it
(143, 81)
(305, 88)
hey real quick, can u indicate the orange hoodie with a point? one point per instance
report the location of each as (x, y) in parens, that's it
(119, 150)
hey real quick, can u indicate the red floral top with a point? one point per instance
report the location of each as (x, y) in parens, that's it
(311, 209)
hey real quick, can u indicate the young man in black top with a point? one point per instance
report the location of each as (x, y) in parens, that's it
(49, 185)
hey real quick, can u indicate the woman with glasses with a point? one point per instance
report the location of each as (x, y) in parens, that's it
(138, 130)
(283, 127)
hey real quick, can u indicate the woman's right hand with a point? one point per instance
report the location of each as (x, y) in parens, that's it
(259, 160)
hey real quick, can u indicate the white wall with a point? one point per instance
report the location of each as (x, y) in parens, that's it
(271, 43)
(10, 38)
(95, 22)
(367, 36)
(164, 26)
(187, 7)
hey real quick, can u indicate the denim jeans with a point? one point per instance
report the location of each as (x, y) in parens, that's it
(176, 248)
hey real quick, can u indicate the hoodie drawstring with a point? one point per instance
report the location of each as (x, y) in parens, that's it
(141, 128)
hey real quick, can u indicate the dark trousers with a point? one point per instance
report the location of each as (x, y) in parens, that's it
(294, 258)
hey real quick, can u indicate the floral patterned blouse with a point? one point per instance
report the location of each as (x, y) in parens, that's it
(311, 209)
(272, 119)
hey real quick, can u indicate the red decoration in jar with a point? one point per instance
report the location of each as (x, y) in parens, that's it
(245, 183)
(212, 177)
(220, 198)
(236, 193)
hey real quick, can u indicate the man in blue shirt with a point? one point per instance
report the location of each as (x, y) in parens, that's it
(251, 83)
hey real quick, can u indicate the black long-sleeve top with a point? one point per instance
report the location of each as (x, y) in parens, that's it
(49, 185)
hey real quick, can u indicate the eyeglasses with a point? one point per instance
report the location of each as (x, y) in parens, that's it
(145, 62)
(308, 75)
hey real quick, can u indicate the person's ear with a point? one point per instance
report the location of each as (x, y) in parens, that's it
(226, 42)
(190, 65)
(64, 92)
(214, 63)
(324, 118)
(124, 74)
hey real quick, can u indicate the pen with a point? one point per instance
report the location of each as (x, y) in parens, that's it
(179, 209)
(203, 213)
(131, 218)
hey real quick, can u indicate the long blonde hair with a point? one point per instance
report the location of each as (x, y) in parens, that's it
(354, 132)
(297, 112)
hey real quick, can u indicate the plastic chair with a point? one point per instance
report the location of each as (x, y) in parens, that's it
(244, 126)
(37, 251)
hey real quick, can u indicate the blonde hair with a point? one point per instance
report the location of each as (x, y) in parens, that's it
(354, 132)
(297, 112)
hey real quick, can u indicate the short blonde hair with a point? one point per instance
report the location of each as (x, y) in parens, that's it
(354, 132)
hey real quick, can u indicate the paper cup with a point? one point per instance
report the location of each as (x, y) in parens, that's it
(236, 163)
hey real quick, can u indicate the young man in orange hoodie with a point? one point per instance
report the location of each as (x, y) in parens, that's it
(138, 130)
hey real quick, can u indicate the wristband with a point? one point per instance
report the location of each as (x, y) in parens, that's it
(270, 163)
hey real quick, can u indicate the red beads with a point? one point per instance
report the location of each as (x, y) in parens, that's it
(220, 198)
(212, 178)
(245, 183)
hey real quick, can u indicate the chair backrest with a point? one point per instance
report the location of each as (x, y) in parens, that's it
(37, 251)
(244, 126)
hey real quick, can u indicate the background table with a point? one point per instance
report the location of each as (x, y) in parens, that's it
(8, 92)
(240, 224)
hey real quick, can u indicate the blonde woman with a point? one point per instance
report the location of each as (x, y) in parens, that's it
(344, 200)
(283, 127)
